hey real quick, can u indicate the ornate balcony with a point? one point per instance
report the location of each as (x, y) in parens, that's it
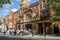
(45, 15)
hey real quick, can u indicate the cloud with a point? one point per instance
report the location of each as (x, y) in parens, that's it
(14, 10)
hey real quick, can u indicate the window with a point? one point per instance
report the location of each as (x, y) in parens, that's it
(43, 4)
(10, 22)
(31, 8)
(7, 22)
(34, 15)
(28, 16)
(36, 6)
(37, 14)
(21, 15)
(10, 16)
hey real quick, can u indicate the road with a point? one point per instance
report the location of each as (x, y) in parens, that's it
(16, 38)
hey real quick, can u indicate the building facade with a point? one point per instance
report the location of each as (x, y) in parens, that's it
(34, 17)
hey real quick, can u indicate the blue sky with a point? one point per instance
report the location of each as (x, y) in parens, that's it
(14, 7)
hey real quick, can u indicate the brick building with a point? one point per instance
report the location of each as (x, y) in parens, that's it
(33, 16)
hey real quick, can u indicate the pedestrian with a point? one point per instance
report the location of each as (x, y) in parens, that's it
(10, 32)
(29, 31)
(15, 32)
(32, 32)
(4, 32)
(22, 31)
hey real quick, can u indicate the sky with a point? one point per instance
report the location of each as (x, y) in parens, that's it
(12, 7)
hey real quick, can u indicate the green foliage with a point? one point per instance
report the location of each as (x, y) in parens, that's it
(54, 4)
(4, 2)
(55, 18)
(58, 9)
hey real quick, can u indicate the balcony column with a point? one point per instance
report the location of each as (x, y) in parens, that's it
(24, 26)
(44, 30)
(24, 17)
(21, 26)
(17, 26)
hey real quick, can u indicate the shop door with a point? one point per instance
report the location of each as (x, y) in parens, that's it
(28, 26)
(56, 30)
(19, 27)
(40, 28)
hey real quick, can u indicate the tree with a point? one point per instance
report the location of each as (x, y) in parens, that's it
(4, 2)
(55, 18)
(54, 5)
(57, 9)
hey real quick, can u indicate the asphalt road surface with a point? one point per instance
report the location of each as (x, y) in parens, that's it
(10, 38)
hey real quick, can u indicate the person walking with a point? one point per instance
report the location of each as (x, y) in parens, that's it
(22, 31)
(32, 32)
(4, 32)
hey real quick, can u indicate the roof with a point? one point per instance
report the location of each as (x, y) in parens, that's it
(34, 4)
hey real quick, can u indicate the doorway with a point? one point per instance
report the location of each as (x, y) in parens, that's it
(56, 29)
(18, 27)
(28, 26)
(40, 28)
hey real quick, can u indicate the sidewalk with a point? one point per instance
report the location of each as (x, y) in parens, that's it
(39, 36)
(32, 37)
